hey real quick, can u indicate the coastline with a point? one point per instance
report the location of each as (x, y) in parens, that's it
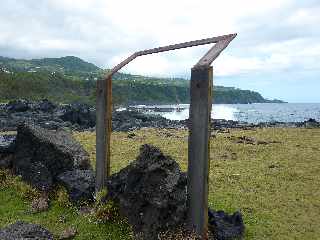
(81, 117)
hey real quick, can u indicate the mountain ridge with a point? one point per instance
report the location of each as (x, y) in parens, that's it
(66, 61)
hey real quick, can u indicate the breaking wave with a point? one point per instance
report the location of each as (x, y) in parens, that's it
(218, 112)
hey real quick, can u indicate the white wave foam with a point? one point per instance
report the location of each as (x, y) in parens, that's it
(121, 109)
(177, 115)
(218, 112)
(223, 112)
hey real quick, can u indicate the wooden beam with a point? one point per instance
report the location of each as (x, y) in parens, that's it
(103, 131)
(184, 45)
(121, 65)
(223, 40)
(198, 149)
(215, 51)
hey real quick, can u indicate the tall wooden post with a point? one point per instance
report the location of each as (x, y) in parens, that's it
(200, 111)
(103, 131)
(198, 149)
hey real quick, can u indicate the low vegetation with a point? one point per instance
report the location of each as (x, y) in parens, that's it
(274, 181)
(15, 202)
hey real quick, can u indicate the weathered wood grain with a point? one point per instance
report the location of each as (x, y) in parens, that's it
(198, 149)
(103, 131)
(215, 51)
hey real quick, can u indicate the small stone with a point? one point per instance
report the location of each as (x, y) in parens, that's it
(39, 205)
(224, 226)
(62, 219)
(131, 135)
(68, 233)
(213, 134)
(274, 165)
(168, 134)
(85, 210)
(260, 142)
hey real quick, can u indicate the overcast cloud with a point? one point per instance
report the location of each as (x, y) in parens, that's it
(277, 50)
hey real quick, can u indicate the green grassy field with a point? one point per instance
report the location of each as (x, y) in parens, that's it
(275, 185)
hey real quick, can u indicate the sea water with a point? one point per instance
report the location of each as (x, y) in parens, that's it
(255, 113)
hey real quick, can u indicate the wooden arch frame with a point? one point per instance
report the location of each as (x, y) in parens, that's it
(199, 126)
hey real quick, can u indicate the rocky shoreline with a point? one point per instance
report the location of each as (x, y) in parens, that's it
(80, 117)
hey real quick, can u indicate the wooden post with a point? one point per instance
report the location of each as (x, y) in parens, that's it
(109, 123)
(103, 131)
(198, 149)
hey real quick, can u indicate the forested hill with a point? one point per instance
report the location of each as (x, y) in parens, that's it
(69, 66)
(70, 79)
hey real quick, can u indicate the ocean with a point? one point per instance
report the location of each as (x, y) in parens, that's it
(252, 113)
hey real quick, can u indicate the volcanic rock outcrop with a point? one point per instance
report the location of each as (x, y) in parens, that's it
(151, 192)
(41, 155)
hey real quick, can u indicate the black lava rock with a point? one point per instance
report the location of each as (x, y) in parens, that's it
(37, 174)
(46, 153)
(151, 192)
(311, 123)
(132, 120)
(6, 160)
(46, 114)
(224, 226)
(46, 106)
(80, 114)
(7, 144)
(80, 184)
(82, 117)
(24, 231)
(7, 148)
(18, 106)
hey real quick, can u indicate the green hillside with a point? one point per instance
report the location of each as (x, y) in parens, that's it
(36, 86)
(70, 79)
(69, 66)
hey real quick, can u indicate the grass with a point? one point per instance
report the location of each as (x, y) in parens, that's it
(276, 186)
(15, 199)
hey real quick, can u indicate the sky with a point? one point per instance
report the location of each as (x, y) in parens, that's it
(276, 52)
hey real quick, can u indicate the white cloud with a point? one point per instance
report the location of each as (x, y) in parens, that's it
(229, 65)
(108, 31)
(305, 16)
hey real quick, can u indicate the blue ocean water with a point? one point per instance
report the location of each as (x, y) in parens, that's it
(255, 113)
(267, 112)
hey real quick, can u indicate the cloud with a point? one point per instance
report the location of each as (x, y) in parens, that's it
(274, 36)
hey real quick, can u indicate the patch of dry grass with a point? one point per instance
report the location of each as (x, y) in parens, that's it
(276, 186)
